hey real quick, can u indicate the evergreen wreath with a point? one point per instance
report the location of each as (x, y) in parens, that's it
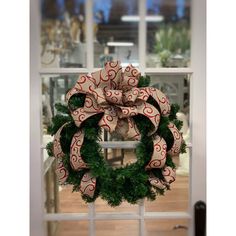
(117, 102)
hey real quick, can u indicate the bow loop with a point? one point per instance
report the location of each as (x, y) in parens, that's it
(131, 71)
(128, 82)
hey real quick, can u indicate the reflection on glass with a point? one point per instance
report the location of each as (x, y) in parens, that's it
(168, 33)
(115, 34)
(63, 33)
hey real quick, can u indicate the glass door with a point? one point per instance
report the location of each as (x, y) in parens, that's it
(162, 39)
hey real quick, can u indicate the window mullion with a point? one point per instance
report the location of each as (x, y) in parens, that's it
(89, 34)
(142, 36)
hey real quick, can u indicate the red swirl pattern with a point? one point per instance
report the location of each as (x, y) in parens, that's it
(76, 160)
(80, 115)
(114, 97)
(161, 99)
(99, 96)
(91, 105)
(131, 72)
(61, 172)
(143, 94)
(128, 111)
(88, 184)
(158, 158)
(156, 182)
(178, 140)
(169, 174)
(57, 150)
(130, 96)
(127, 83)
(151, 113)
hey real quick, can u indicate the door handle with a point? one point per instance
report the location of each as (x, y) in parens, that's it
(200, 218)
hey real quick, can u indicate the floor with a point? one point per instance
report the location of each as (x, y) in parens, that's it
(174, 200)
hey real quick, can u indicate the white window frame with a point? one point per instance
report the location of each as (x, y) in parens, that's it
(197, 188)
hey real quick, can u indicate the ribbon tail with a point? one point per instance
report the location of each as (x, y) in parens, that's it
(178, 140)
(76, 160)
(61, 172)
(158, 158)
(88, 184)
(154, 181)
(169, 174)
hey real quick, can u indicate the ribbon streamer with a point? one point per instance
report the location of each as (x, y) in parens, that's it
(61, 171)
(115, 94)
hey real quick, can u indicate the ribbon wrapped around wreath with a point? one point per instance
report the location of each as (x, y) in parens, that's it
(115, 94)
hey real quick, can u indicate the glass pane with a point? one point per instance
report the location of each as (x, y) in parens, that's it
(115, 31)
(61, 199)
(117, 228)
(63, 33)
(177, 89)
(166, 227)
(54, 88)
(177, 199)
(67, 228)
(168, 33)
(57, 198)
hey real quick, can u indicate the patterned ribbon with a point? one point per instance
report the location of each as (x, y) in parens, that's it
(115, 94)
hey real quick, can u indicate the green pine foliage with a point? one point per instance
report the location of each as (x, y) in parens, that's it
(144, 81)
(129, 182)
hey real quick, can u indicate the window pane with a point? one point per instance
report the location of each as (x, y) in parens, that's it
(117, 228)
(63, 33)
(67, 228)
(57, 198)
(115, 31)
(168, 33)
(177, 199)
(60, 198)
(176, 87)
(166, 227)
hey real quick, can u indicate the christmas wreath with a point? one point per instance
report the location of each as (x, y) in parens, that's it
(118, 102)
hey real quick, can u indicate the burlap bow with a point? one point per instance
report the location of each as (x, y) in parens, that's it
(115, 94)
